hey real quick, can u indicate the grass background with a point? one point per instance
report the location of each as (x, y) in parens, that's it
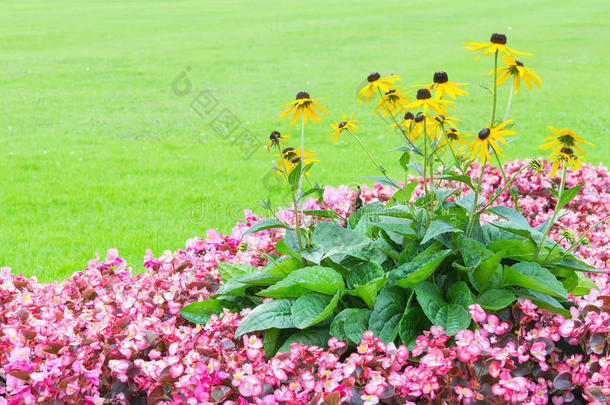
(97, 150)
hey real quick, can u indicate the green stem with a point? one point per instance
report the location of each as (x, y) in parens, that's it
(584, 235)
(495, 197)
(552, 248)
(493, 111)
(268, 258)
(425, 170)
(512, 194)
(370, 156)
(510, 99)
(473, 212)
(326, 204)
(552, 221)
(402, 130)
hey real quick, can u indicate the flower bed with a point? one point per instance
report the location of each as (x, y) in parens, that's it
(106, 335)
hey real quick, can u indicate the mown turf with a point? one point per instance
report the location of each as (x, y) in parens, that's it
(98, 150)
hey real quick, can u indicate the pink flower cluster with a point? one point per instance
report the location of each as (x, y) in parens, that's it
(108, 336)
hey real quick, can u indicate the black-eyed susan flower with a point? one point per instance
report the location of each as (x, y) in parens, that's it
(439, 122)
(519, 72)
(497, 43)
(425, 102)
(565, 138)
(375, 84)
(565, 157)
(443, 87)
(536, 165)
(489, 137)
(420, 126)
(451, 137)
(343, 125)
(393, 101)
(275, 138)
(303, 105)
(290, 158)
(406, 122)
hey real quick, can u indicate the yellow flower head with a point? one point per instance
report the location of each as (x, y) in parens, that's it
(343, 125)
(406, 122)
(290, 158)
(566, 138)
(519, 72)
(393, 101)
(439, 122)
(489, 137)
(497, 43)
(276, 139)
(425, 102)
(443, 87)
(420, 126)
(375, 84)
(451, 137)
(303, 105)
(564, 157)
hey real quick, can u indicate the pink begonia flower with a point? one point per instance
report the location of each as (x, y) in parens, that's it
(250, 386)
(477, 313)
(120, 367)
(369, 399)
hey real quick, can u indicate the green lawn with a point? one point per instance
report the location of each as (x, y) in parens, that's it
(98, 151)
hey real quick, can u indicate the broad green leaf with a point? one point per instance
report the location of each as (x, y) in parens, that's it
(388, 310)
(271, 314)
(585, 284)
(311, 336)
(259, 278)
(459, 293)
(229, 271)
(232, 287)
(283, 266)
(516, 249)
(270, 342)
(439, 227)
(452, 317)
(363, 212)
(496, 299)
(200, 311)
(263, 224)
(544, 301)
(534, 277)
(317, 278)
(411, 273)
(323, 213)
(430, 299)
(368, 292)
(473, 252)
(568, 195)
(350, 324)
(462, 178)
(576, 265)
(362, 273)
(312, 308)
(285, 288)
(337, 242)
(485, 271)
(412, 324)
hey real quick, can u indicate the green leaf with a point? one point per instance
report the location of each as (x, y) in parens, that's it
(270, 342)
(388, 310)
(271, 314)
(534, 277)
(452, 317)
(350, 324)
(368, 292)
(458, 177)
(459, 293)
(430, 299)
(263, 224)
(337, 242)
(496, 299)
(233, 288)
(284, 266)
(312, 308)
(285, 288)
(485, 271)
(362, 212)
(317, 278)
(229, 271)
(472, 252)
(259, 278)
(577, 265)
(199, 312)
(439, 227)
(323, 213)
(411, 273)
(516, 249)
(544, 301)
(568, 195)
(311, 336)
(383, 180)
(363, 273)
(585, 284)
(412, 324)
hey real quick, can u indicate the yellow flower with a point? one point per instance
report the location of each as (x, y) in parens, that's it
(425, 101)
(290, 159)
(303, 105)
(439, 122)
(393, 101)
(489, 137)
(452, 136)
(442, 86)
(566, 138)
(516, 69)
(497, 43)
(276, 139)
(418, 126)
(565, 156)
(376, 83)
(343, 125)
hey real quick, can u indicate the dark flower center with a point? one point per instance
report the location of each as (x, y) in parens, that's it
(302, 94)
(440, 118)
(452, 133)
(390, 91)
(286, 150)
(518, 63)
(342, 124)
(484, 134)
(419, 117)
(441, 77)
(275, 136)
(498, 38)
(408, 116)
(295, 160)
(423, 94)
(373, 77)
(567, 151)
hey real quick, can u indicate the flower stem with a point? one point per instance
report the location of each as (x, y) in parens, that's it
(425, 170)
(512, 194)
(493, 111)
(404, 133)
(507, 185)
(552, 221)
(473, 214)
(510, 99)
(584, 235)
